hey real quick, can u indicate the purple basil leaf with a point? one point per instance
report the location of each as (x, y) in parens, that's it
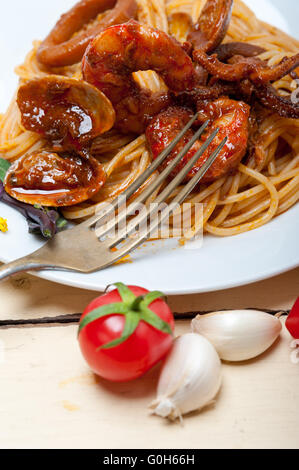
(40, 220)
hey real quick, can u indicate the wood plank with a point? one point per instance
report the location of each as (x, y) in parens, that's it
(28, 297)
(48, 398)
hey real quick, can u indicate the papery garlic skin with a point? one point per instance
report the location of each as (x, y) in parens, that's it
(238, 335)
(190, 377)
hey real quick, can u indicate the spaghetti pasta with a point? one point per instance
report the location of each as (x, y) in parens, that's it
(262, 187)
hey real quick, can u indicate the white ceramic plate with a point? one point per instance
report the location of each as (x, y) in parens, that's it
(221, 262)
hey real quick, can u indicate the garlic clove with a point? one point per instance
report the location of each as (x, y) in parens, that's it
(238, 335)
(190, 377)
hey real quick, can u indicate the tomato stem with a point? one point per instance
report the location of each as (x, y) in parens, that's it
(135, 306)
(134, 309)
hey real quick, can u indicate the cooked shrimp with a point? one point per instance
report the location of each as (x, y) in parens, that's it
(117, 52)
(232, 119)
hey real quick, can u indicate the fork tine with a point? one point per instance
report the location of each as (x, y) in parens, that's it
(199, 175)
(145, 175)
(185, 170)
(155, 184)
(133, 244)
(139, 219)
(169, 168)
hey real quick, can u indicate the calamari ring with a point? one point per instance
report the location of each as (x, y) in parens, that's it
(63, 47)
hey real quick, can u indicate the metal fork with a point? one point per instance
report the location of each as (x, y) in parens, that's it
(84, 249)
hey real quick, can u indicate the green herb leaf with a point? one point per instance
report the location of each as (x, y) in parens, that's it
(61, 223)
(132, 321)
(104, 311)
(4, 165)
(151, 296)
(154, 320)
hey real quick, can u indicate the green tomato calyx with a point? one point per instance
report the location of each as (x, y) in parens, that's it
(134, 309)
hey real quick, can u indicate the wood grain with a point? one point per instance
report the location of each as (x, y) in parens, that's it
(48, 398)
(27, 297)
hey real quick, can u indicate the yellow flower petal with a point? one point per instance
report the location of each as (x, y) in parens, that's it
(3, 225)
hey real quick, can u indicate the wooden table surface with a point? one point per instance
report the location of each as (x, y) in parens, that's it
(49, 398)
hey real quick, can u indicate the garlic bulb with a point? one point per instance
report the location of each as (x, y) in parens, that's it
(238, 335)
(190, 377)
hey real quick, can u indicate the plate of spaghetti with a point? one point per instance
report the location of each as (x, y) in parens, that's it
(109, 86)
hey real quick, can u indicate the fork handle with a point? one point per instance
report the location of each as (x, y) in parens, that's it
(28, 263)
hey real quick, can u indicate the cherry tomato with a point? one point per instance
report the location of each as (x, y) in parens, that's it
(292, 321)
(124, 346)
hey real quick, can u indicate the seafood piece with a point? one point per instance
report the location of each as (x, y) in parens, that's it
(194, 99)
(256, 70)
(63, 47)
(254, 78)
(269, 97)
(230, 49)
(265, 74)
(68, 113)
(212, 25)
(232, 119)
(117, 52)
(49, 179)
(209, 31)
